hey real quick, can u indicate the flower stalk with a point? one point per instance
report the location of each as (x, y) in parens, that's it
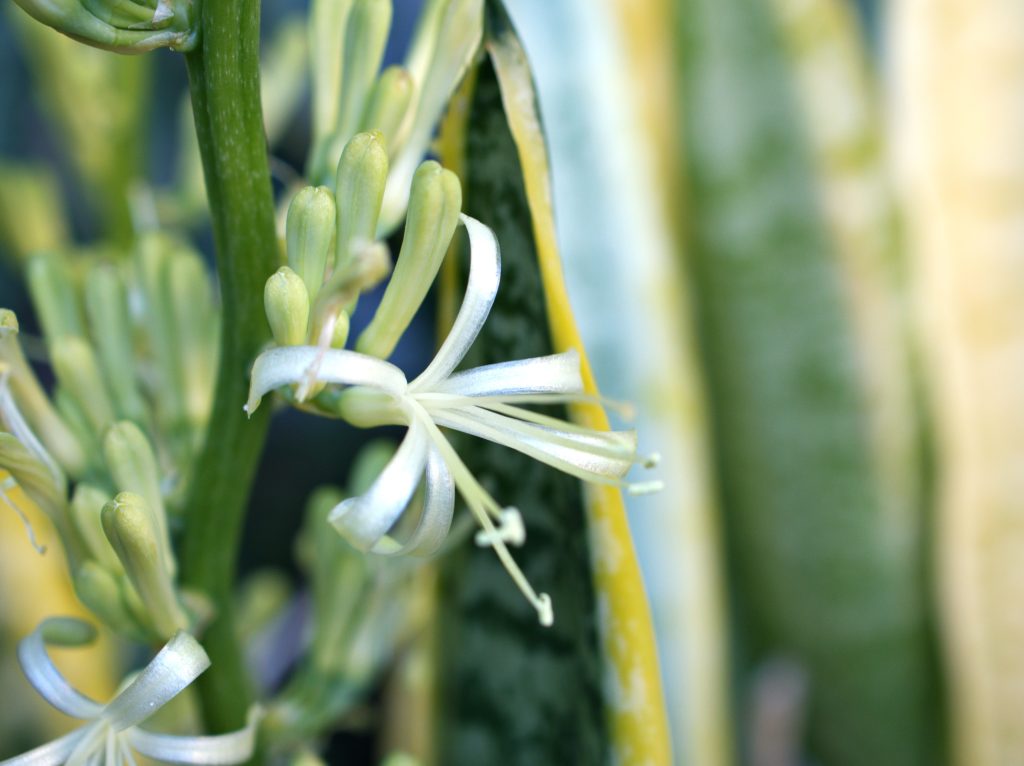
(224, 82)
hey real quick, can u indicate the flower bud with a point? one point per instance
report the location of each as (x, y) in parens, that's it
(366, 268)
(282, 76)
(123, 26)
(78, 373)
(388, 105)
(132, 465)
(103, 593)
(366, 36)
(310, 236)
(327, 21)
(67, 631)
(31, 215)
(106, 306)
(287, 305)
(195, 333)
(332, 564)
(24, 393)
(86, 508)
(153, 257)
(446, 44)
(53, 295)
(362, 176)
(45, 489)
(128, 524)
(433, 215)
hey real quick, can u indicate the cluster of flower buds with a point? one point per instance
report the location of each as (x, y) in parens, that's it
(363, 609)
(125, 26)
(132, 346)
(404, 103)
(333, 253)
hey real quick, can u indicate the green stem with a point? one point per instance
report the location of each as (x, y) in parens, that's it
(224, 81)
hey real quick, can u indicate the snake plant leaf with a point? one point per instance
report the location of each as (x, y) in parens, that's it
(823, 577)
(614, 190)
(564, 712)
(959, 76)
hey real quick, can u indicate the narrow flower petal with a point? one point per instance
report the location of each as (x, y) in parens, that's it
(284, 366)
(592, 457)
(235, 747)
(554, 374)
(52, 753)
(178, 664)
(481, 289)
(364, 520)
(436, 518)
(43, 674)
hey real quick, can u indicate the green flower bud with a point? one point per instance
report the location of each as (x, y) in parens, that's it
(133, 466)
(46, 489)
(341, 327)
(102, 593)
(67, 631)
(33, 403)
(446, 44)
(287, 305)
(282, 76)
(128, 524)
(306, 757)
(362, 177)
(367, 268)
(31, 211)
(78, 372)
(327, 21)
(310, 235)
(366, 36)
(53, 295)
(86, 508)
(152, 257)
(195, 333)
(123, 26)
(264, 595)
(340, 578)
(433, 215)
(388, 105)
(78, 424)
(106, 306)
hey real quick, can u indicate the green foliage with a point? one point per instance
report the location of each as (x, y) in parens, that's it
(819, 578)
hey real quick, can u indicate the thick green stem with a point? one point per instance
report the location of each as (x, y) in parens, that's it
(224, 80)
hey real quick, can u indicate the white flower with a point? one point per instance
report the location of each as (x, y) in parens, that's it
(112, 733)
(484, 401)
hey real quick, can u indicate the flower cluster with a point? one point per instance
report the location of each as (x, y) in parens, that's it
(486, 402)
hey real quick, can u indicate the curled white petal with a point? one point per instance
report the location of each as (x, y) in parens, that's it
(286, 365)
(436, 518)
(235, 747)
(481, 289)
(52, 753)
(592, 457)
(178, 664)
(554, 374)
(43, 674)
(364, 520)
